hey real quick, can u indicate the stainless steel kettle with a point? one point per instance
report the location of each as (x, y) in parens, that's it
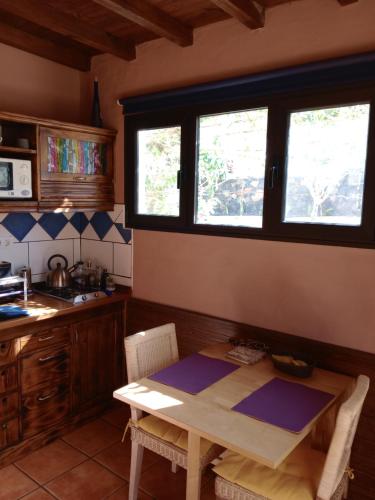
(59, 277)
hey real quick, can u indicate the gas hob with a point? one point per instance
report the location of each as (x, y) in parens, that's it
(70, 294)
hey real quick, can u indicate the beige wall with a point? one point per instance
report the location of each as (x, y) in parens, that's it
(322, 292)
(35, 86)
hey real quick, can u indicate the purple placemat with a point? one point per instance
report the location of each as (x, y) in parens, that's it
(286, 404)
(194, 373)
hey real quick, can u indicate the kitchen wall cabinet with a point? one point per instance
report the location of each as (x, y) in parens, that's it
(72, 165)
(76, 169)
(57, 373)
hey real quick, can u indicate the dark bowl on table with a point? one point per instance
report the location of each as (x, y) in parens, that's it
(4, 268)
(297, 370)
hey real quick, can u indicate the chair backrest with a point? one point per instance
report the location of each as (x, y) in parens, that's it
(338, 455)
(149, 351)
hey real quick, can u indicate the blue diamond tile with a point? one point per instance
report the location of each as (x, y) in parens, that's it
(19, 224)
(79, 221)
(125, 233)
(101, 222)
(53, 223)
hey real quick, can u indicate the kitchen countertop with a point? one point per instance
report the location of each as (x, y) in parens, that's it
(42, 307)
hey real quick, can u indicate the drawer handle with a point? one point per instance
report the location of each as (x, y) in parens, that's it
(4, 426)
(79, 178)
(48, 396)
(43, 339)
(48, 358)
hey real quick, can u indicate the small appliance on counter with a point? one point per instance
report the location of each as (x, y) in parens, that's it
(25, 272)
(15, 178)
(5, 268)
(12, 287)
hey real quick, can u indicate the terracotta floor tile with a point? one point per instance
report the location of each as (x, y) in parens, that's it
(118, 416)
(117, 458)
(93, 437)
(123, 494)
(88, 480)
(50, 461)
(159, 482)
(14, 483)
(38, 494)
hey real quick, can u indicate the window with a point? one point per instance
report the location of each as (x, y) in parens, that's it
(326, 163)
(293, 167)
(231, 168)
(159, 158)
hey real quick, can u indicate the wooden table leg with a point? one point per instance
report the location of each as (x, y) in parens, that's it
(193, 481)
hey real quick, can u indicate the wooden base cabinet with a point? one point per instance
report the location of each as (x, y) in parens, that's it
(54, 376)
(96, 344)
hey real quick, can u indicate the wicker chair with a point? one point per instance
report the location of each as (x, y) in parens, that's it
(331, 479)
(146, 353)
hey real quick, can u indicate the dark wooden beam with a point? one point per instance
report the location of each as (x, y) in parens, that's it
(346, 2)
(69, 26)
(245, 11)
(43, 48)
(151, 18)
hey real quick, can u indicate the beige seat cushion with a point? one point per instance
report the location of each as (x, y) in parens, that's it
(170, 433)
(297, 478)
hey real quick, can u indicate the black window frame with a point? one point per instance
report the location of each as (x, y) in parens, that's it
(279, 105)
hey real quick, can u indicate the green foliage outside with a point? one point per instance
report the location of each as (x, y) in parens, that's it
(327, 152)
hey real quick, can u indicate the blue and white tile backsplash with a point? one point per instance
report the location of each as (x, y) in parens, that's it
(31, 238)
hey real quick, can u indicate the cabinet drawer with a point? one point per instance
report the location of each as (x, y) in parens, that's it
(45, 339)
(8, 406)
(44, 408)
(44, 366)
(8, 351)
(9, 433)
(8, 378)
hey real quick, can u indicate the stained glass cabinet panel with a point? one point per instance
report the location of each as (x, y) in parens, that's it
(75, 156)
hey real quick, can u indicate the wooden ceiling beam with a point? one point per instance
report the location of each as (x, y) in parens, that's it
(245, 11)
(43, 48)
(346, 2)
(151, 18)
(69, 26)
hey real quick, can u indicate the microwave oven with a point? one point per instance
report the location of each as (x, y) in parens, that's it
(15, 178)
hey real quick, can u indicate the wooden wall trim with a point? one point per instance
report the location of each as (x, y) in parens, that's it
(196, 330)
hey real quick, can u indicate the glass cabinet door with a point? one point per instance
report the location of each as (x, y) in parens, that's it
(75, 156)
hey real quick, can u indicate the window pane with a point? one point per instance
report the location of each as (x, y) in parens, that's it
(326, 165)
(231, 165)
(159, 154)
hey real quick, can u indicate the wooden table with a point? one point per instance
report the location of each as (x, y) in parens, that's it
(209, 413)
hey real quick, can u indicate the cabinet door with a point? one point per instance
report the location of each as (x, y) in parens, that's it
(96, 364)
(8, 351)
(45, 407)
(8, 378)
(74, 156)
(8, 406)
(9, 433)
(45, 365)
